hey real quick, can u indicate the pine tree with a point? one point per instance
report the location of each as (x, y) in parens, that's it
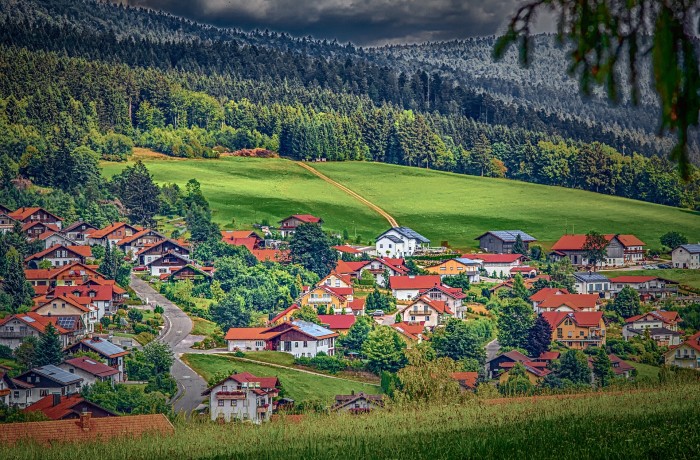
(110, 263)
(15, 284)
(519, 246)
(50, 350)
(519, 290)
(602, 368)
(539, 338)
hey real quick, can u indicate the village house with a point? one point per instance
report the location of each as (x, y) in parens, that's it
(167, 264)
(298, 338)
(336, 280)
(60, 255)
(79, 231)
(400, 242)
(44, 280)
(112, 234)
(409, 287)
(89, 370)
(85, 429)
(7, 223)
(499, 363)
(410, 332)
(620, 367)
(337, 323)
(285, 316)
(357, 403)
(243, 397)
(502, 241)
(131, 245)
(648, 287)
(429, 312)
(35, 229)
(497, 265)
(289, 225)
(453, 298)
(48, 380)
(112, 354)
(621, 250)
(69, 309)
(35, 214)
(70, 407)
(661, 325)
(51, 238)
(569, 303)
(149, 254)
(5, 385)
(14, 329)
(466, 380)
(459, 266)
(539, 296)
(535, 371)
(106, 296)
(592, 283)
(247, 238)
(334, 300)
(193, 273)
(687, 354)
(525, 271)
(382, 267)
(578, 330)
(686, 256)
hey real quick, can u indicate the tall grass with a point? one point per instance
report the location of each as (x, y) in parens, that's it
(657, 423)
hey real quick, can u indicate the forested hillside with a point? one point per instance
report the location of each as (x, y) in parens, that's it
(82, 75)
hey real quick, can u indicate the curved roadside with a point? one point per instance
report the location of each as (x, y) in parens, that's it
(355, 195)
(177, 327)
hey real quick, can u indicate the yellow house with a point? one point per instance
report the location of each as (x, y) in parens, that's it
(336, 280)
(68, 306)
(323, 296)
(578, 330)
(454, 267)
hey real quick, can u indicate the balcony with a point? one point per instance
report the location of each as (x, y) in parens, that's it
(319, 299)
(14, 334)
(229, 395)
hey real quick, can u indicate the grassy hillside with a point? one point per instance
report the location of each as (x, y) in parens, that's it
(297, 385)
(442, 206)
(654, 424)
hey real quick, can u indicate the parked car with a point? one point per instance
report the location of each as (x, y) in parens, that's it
(140, 268)
(665, 266)
(377, 313)
(649, 267)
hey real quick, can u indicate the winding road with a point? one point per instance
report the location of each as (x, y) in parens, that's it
(176, 333)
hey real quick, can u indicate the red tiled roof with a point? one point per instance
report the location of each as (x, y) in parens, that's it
(265, 382)
(136, 236)
(246, 242)
(342, 291)
(103, 293)
(284, 313)
(271, 255)
(74, 301)
(581, 318)
(72, 430)
(669, 317)
(543, 293)
(24, 213)
(249, 333)
(307, 218)
(353, 266)
(632, 279)
(414, 282)
(495, 258)
(101, 233)
(575, 301)
(35, 321)
(576, 242)
(63, 408)
(83, 251)
(411, 330)
(629, 240)
(93, 367)
(467, 379)
(455, 293)
(357, 304)
(347, 249)
(48, 226)
(334, 322)
(549, 355)
(439, 306)
(524, 268)
(232, 234)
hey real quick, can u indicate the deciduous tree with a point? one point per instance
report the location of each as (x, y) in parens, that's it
(514, 323)
(311, 248)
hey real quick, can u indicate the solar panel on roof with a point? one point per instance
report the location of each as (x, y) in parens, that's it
(66, 322)
(28, 319)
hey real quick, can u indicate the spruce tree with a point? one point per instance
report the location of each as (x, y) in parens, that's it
(50, 350)
(602, 368)
(15, 284)
(519, 246)
(539, 338)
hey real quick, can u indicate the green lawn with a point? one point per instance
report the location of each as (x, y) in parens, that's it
(685, 277)
(298, 385)
(645, 371)
(274, 357)
(203, 327)
(443, 206)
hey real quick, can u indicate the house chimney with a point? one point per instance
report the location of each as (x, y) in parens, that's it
(56, 399)
(85, 420)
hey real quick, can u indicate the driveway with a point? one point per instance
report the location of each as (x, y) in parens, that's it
(176, 333)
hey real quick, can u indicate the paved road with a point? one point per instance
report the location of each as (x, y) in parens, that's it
(492, 349)
(176, 333)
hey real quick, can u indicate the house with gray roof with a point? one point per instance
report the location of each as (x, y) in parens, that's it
(502, 241)
(46, 380)
(399, 242)
(112, 354)
(686, 256)
(592, 283)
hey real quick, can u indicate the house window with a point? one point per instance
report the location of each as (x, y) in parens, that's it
(233, 403)
(305, 344)
(224, 388)
(296, 344)
(560, 333)
(221, 403)
(427, 318)
(43, 393)
(413, 318)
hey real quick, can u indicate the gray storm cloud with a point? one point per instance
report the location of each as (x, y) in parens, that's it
(364, 22)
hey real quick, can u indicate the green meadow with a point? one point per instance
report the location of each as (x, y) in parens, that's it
(442, 206)
(659, 423)
(297, 384)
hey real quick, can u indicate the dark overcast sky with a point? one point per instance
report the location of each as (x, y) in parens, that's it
(364, 22)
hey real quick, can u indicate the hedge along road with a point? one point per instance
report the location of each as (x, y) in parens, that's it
(355, 195)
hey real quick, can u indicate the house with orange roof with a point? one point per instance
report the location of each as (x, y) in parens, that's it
(34, 229)
(148, 254)
(647, 286)
(497, 265)
(298, 338)
(79, 231)
(289, 225)
(61, 407)
(112, 233)
(281, 256)
(466, 380)
(15, 328)
(85, 428)
(411, 332)
(284, 316)
(660, 325)
(687, 354)
(338, 323)
(409, 287)
(621, 250)
(336, 280)
(36, 214)
(453, 298)
(340, 300)
(106, 297)
(131, 245)
(247, 238)
(429, 312)
(534, 371)
(69, 306)
(382, 267)
(543, 293)
(569, 302)
(74, 274)
(244, 397)
(7, 223)
(578, 330)
(458, 266)
(60, 255)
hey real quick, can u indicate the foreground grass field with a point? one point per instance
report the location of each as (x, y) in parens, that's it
(442, 206)
(297, 385)
(652, 424)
